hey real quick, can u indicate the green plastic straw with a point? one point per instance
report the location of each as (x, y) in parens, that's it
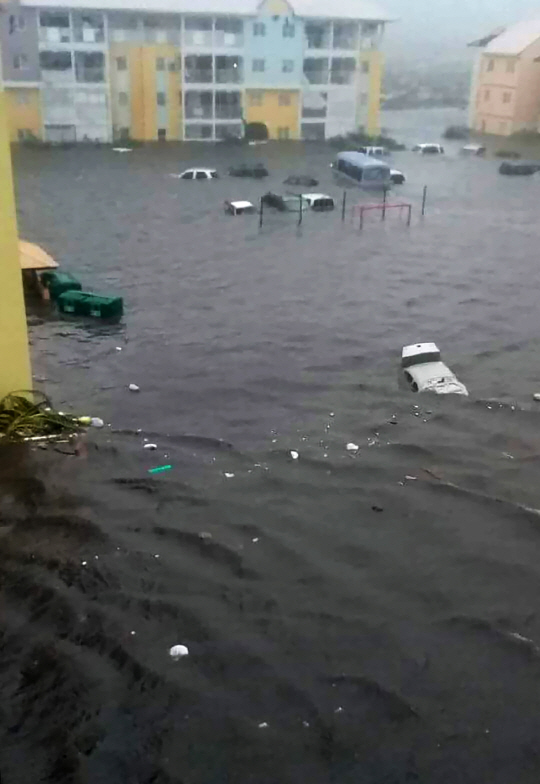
(159, 469)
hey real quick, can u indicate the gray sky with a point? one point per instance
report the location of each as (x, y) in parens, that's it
(444, 27)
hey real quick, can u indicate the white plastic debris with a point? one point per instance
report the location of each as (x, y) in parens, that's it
(228, 476)
(352, 447)
(536, 396)
(256, 539)
(339, 710)
(205, 535)
(83, 563)
(97, 422)
(150, 446)
(177, 651)
(294, 454)
(263, 725)
(119, 348)
(134, 388)
(133, 633)
(411, 477)
(331, 414)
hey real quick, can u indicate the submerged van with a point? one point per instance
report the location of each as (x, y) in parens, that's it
(362, 169)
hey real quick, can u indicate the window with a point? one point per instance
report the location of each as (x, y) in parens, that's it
(201, 175)
(90, 66)
(162, 134)
(283, 133)
(160, 64)
(511, 66)
(256, 98)
(121, 64)
(20, 62)
(259, 28)
(487, 95)
(122, 99)
(161, 99)
(507, 97)
(258, 66)
(490, 65)
(21, 23)
(287, 66)
(365, 66)
(288, 30)
(24, 134)
(284, 99)
(16, 24)
(22, 97)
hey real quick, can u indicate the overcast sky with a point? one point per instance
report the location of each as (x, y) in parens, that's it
(445, 26)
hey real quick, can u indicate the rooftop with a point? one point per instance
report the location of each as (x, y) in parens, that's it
(339, 9)
(515, 39)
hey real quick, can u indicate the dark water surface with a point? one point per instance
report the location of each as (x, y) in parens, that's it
(355, 617)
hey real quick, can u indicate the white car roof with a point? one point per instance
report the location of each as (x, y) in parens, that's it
(419, 348)
(199, 169)
(240, 205)
(313, 196)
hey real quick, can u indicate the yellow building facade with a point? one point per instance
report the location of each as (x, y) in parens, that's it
(23, 111)
(14, 355)
(279, 110)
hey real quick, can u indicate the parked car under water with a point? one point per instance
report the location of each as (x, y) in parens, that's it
(424, 371)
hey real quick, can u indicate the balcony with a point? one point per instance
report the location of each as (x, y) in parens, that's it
(88, 28)
(226, 132)
(89, 67)
(56, 67)
(317, 35)
(342, 70)
(229, 33)
(199, 131)
(161, 30)
(198, 70)
(228, 106)
(124, 27)
(198, 32)
(198, 105)
(345, 36)
(229, 70)
(316, 70)
(54, 28)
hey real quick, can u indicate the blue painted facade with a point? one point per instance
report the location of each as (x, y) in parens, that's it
(274, 48)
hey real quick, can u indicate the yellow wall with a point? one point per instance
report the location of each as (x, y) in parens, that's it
(375, 59)
(272, 114)
(143, 88)
(14, 357)
(23, 116)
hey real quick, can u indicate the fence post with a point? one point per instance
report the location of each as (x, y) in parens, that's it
(261, 213)
(343, 206)
(361, 218)
(300, 214)
(409, 216)
(424, 196)
(383, 211)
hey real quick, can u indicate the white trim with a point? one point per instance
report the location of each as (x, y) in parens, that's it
(22, 85)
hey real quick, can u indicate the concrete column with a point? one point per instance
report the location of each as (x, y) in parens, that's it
(14, 354)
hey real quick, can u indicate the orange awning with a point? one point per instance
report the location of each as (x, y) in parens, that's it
(33, 257)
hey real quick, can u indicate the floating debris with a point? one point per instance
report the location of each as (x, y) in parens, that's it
(159, 469)
(377, 508)
(227, 476)
(134, 388)
(177, 651)
(411, 477)
(119, 348)
(150, 446)
(263, 725)
(204, 535)
(536, 396)
(352, 447)
(26, 419)
(294, 454)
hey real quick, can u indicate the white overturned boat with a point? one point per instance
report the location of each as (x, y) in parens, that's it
(424, 371)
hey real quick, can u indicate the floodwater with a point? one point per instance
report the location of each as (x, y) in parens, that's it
(354, 617)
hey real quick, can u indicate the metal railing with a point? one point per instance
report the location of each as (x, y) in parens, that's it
(198, 75)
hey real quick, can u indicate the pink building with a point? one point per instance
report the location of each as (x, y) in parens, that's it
(505, 90)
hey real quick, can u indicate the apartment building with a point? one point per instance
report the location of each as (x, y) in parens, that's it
(505, 88)
(190, 69)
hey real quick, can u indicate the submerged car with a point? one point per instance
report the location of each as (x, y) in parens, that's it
(258, 171)
(428, 149)
(522, 168)
(473, 149)
(397, 177)
(198, 174)
(375, 152)
(238, 207)
(319, 201)
(301, 179)
(424, 371)
(285, 203)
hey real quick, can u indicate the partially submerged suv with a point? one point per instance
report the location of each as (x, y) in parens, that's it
(424, 371)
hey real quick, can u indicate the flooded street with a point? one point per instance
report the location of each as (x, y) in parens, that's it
(351, 616)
